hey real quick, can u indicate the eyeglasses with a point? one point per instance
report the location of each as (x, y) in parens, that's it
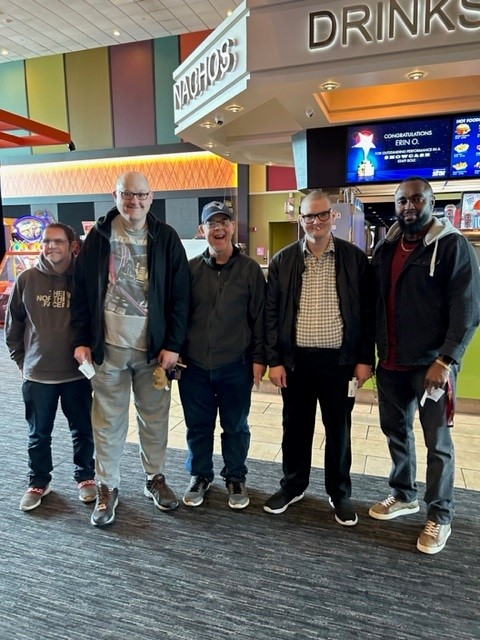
(401, 202)
(129, 195)
(321, 215)
(57, 242)
(212, 224)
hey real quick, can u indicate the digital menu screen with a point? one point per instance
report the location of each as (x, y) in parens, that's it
(392, 151)
(465, 158)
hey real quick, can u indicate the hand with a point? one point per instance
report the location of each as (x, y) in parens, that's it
(258, 373)
(278, 376)
(362, 373)
(83, 353)
(167, 359)
(436, 377)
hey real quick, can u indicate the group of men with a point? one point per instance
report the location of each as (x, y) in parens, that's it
(131, 302)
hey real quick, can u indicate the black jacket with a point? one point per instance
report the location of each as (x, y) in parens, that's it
(226, 311)
(437, 303)
(354, 288)
(168, 288)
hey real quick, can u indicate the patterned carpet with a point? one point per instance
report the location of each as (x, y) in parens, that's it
(211, 573)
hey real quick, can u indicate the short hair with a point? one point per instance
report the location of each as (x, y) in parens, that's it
(416, 179)
(316, 194)
(69, 231)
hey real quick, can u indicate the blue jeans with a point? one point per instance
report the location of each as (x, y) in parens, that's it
(399, 394)
(41, 402)
(226, 390)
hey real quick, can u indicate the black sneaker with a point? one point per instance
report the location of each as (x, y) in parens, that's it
(344, 512)
(161, 494)
(107, 500)
(196, 491)
(280, 501)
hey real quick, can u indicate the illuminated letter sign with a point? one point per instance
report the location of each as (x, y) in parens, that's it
(208, 71)
(359, 24)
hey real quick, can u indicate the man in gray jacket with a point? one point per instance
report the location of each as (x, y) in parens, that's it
(39, 338)
(224, 354)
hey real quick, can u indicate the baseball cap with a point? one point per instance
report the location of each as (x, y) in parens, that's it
(214, 207)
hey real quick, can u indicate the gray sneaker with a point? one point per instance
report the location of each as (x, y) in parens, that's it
(237, 495)
(392, 507)
(33, 497)
(107, 501)
(434, 537)
(196, 491)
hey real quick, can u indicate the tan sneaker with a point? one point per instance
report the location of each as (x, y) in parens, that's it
(87, 490)
(391, 508)
(33, 497)
(434, 537)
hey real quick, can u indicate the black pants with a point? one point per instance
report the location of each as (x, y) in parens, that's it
(317, 377)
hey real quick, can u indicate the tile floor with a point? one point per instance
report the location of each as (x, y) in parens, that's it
(370, 453)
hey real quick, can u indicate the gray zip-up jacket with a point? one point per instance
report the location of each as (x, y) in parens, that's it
(37, 326)
(437, 305)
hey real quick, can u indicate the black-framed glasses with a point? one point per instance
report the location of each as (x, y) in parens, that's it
(310, 218)
(212, 224)
(415, 200)
(129, 195)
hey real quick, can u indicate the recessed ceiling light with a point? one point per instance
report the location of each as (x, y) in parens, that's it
(330, 85)
(116, 33)
(416, 75)
(210, 145)
(4, 52)
(234, 108)
(207, 124)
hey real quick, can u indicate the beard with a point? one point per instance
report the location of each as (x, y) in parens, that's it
(411, 228)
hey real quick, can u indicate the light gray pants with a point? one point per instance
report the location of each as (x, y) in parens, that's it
(123, 371)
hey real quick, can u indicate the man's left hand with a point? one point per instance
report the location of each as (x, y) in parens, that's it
(436, 377)
(362, 373)
(258, 373)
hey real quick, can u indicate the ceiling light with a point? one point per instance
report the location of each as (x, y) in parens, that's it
(116, 33)
(416, 75)
(234, 108)
(207, 124)
(330, 85)
(210, 145)
(4, 52)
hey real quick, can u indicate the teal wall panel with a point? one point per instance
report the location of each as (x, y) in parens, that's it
(165, 59)
(13, 97)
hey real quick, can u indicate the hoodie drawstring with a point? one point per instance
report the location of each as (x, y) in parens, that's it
(432, 261)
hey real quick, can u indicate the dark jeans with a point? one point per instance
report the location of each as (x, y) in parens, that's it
(226, 390)
(317, 377)
(399, 394)
(41, 401)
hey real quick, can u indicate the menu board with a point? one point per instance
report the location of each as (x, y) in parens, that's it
(465, 158)
(470, 211)
(392, 151)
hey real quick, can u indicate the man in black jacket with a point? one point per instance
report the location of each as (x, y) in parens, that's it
(130, 315)
(224, 352)
(428, 308)
(320, 347)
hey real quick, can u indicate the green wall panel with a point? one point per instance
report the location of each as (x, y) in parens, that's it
(165, 61)
(13, 97)
(47, 100)
(89, 99)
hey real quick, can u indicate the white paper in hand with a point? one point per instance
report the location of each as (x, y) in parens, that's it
(435, 395)
(87, 369)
